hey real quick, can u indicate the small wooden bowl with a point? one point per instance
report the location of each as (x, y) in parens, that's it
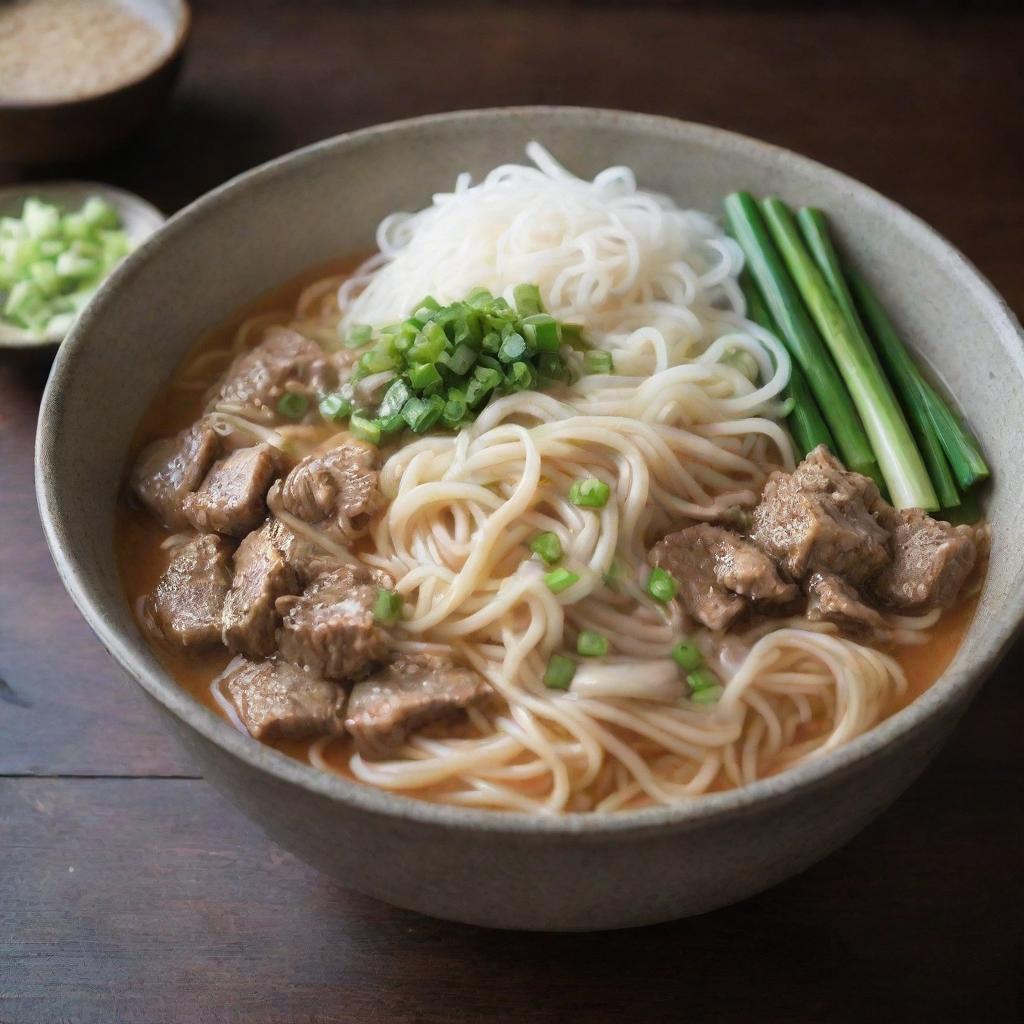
(52, 131)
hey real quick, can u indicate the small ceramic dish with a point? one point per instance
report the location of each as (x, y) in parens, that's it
(54, 130)
(139, 220)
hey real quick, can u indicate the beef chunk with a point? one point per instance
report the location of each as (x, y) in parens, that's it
(168, 470)
(284, 357)
(719, 573)
(263, 573)
(232, 498)
(330, 629)
(831, 599)
(822, 517)
(276, 700)
(187, 602)
(338, 487)
(931, 562)
(411, 692)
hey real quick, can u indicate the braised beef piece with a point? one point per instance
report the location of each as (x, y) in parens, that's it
(284, 357)
(930, 563)
(411, 692)
(232, 498)
(719, 574)
(330, 628)
(832, 599)
(822, 518)
(189, 597)
(263, 573)
(169, 469)
(276, 700)
(338, 487)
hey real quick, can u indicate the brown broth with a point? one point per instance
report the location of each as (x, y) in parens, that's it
(141, 560)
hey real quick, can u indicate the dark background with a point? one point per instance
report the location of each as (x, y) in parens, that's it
(131, 894)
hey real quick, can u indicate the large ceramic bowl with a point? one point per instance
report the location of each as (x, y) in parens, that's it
(513, 870)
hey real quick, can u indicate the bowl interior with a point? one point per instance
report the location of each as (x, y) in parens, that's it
(326, 201)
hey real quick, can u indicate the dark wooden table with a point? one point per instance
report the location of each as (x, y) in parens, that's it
(131, 894)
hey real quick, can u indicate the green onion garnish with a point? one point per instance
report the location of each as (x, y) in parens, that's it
(547, 546)
(388, 607)
(596, 361)
(292, 405)
(661, 586)
(702, 679)
(358, 336)
(686, 656)
(590, 493)
(560, 579)
(710, 695)
(527, 299)
(591, 644)
(559, 672)
(334, 406)
(364, 429)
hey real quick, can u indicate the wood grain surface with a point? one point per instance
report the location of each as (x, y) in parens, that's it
(130, 893)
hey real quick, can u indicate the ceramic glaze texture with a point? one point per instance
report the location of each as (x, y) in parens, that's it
(510, 870)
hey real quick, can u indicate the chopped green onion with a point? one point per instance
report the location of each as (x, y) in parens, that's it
(455, 409)
(558, 675)
(293, 405)
(590, 493)
(591, 644)
(376, 360)
(512, 348)
(421, 414)
(596, 361)
(560, 579)
(615, 575)
(358, 336)
(394, 398)
(424, 376)
(701, 679)
(363, 428)
(335, 406)
(547, 546)
(708, 695)
(520, 377)
(661, 586)
(686, 655)
(427, 303)
(541, 332)
(388, 607)
(527, 299)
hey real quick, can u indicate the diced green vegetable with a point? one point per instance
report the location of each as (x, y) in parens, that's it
(387, 609)
(334, 406)
(589, 493)
(707, 695)
(701, 679)
(527, 299)
(560, 579)
(51, 261)
(661, 586)
(686, 655)
(559, 672)
(547, 546)
(358, 336)
(591, 644)
(292, 405)
(363, 428)
(596, 361)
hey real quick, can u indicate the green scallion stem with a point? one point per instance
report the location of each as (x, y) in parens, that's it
(806, 423)
(965, 458)
(902, 466)
(816, 234)
(798, 333)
